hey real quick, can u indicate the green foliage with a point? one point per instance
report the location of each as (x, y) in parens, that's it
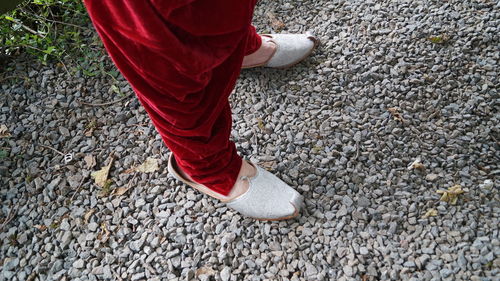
(55, 225)
(13, 240)
(3, 154)
(440, 39)
(52, 31)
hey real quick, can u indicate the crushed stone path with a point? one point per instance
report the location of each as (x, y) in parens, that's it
(401, 100)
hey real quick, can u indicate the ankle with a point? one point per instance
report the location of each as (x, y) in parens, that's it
(241, 185)
(262, 55)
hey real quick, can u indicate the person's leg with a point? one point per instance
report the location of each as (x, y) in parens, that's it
(254, 41)
(182, 61)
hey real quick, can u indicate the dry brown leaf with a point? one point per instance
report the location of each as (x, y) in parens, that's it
(120, 191)
(4, 131)
(417, 164)
(317, 149)
(451, 195)
(40, 227)
(87, 215)
(106, 232)
(149, 166)
(88, 132)
(89, 128)
(129, 171)
(138, 132)
(430, 213)
(431, 177)
(204, 270)
(101, 176)
(276, 24)
(261, 125)
(90, 161)
(395, 113)
(268, 165)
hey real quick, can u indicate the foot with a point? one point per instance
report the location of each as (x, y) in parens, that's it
(287, 50)
(261, 56)
(257, 193)
(240, 187)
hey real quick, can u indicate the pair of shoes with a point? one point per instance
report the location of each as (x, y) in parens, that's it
(290, 49)
(267, 197)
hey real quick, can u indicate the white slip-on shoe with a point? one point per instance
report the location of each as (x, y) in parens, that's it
(267, 197)
(290, 49)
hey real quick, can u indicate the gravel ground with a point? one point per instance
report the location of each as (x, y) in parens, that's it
(394, 83)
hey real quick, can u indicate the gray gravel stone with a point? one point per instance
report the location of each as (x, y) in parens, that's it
(311, 270)
(445, 272)
(8, 275)
(106, 272)
(346, 200)
(363, 251)
(98, 270)
(66, 239)
(92, 226)
(140, 202)
(348, 271)
(79, 264)
(363, 202)
(341, 212)
(10, 264)
(225, 274)
(137, 276)
(409, 264)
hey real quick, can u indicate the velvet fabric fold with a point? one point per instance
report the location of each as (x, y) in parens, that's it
(182, 58)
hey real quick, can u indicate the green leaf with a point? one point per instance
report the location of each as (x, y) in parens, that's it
(440, 39)
(89, 73)
(49, 50)
(113, 73)
(116, 89)
(3, 154)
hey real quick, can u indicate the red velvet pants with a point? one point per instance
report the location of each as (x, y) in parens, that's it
(182, 59)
